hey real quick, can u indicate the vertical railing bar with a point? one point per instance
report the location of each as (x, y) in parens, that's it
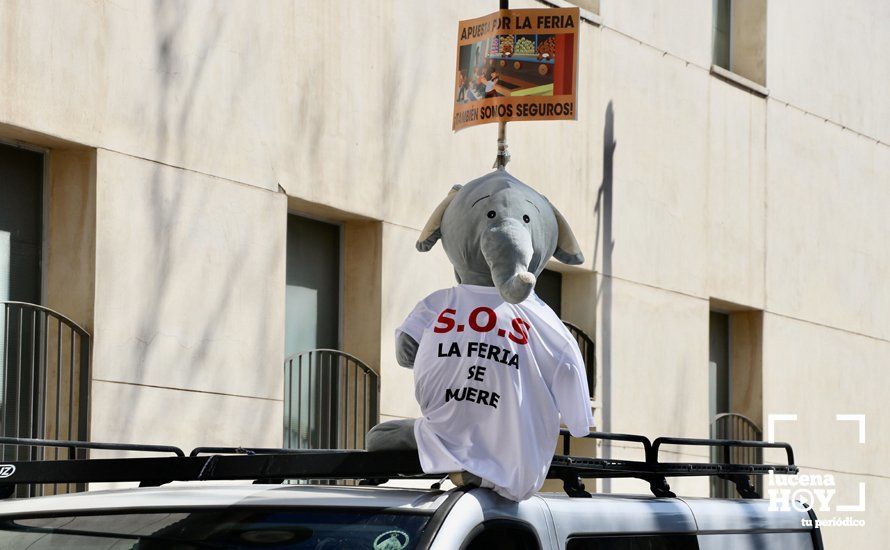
(329, 396)
(33, 352)
(345, 422)
(299, 401)
(71, 384)
(290, 403)
(375, 402)
(58, 390)
(341, 411)
(336, 403)
(355, 406)
(41, 406)
(340, 421)
(319, 360)
(334, 393)
(365, 409)
(324, 401)
(84, 388)
(71, 395)
(83, 400)
(328, 412)
(33, 369)
(18, 379)
(342, 392)
(58, 380)
(6, 317)
(309, 413)
(328, 402)
(285, 424)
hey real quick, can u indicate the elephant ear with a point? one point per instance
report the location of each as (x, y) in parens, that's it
(432, 231)
(568, 251)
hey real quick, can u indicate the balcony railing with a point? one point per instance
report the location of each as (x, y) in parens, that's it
(588, 353)
(45, 370)
(330, 400)
(735, 426)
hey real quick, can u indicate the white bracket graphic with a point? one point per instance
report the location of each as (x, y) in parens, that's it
(854, 418)
(771, 424)
(855, 507)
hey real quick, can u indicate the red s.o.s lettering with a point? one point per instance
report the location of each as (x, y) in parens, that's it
(491, 319)
(447, 323)
(521, 335)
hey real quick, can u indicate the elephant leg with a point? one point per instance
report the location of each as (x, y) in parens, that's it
(395, 435)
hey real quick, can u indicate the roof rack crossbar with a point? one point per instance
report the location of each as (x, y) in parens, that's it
(607, 436)
(261, 451)
(726, 443)
(75, 445)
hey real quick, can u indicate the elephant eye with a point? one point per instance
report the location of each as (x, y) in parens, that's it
(526, 219)
(491, 213)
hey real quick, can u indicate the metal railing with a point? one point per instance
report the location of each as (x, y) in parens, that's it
(588, 353)
(735, 426)
(330, 400)
(45, 370)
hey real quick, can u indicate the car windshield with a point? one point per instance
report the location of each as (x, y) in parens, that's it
(316, 528)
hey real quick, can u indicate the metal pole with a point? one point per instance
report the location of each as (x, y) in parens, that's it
(503, 157)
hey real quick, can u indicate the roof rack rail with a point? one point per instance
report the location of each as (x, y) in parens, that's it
(571, 468)
(74, 446)
(268, 465)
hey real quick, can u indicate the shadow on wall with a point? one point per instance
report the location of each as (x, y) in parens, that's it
(603, 211)
(188, 49)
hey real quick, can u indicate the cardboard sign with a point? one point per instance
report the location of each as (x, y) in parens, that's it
(515, 65)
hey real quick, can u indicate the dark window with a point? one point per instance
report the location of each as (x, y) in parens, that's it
(502, 535)
(722, 33)
(633, 542)
(718, 358)
(549, 289)
(312, 313)
(226, 528)
(21, 224)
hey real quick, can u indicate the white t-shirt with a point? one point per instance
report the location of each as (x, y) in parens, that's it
(492, 380)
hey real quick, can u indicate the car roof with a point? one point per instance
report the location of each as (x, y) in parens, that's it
(204, 495)
(603, 512)
(608, 512)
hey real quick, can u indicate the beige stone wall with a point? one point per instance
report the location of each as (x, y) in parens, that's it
(189, 306)
(684, 190)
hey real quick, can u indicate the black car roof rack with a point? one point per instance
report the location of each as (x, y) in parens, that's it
(265, 465)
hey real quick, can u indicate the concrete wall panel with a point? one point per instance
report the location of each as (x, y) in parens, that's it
(827, 224)
(822, 58)
(190, 280)
(736, 201)
(656, 24)
(128, 413)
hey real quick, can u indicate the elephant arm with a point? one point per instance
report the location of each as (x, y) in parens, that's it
(406, 350)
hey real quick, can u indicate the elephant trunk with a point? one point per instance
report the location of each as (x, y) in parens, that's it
(507, 248)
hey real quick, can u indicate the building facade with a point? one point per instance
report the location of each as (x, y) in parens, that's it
(207, 189)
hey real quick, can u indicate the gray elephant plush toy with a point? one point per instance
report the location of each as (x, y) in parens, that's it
(495, 370)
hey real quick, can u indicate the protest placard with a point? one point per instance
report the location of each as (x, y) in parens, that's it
(515, 65)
